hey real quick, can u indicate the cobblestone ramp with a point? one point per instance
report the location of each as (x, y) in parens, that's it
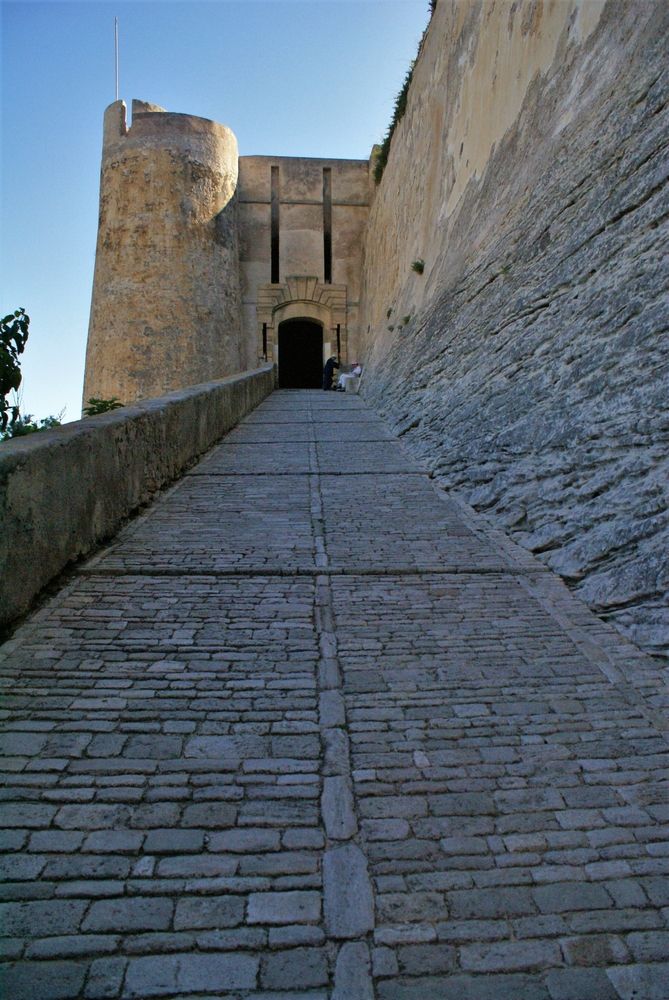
(309, 729)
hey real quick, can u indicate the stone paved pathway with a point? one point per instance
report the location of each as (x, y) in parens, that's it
(308, 729)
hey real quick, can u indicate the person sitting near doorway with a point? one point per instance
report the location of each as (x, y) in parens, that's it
(328, 372)
(349, 377)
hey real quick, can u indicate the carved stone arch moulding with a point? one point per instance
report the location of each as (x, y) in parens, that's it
(301, 297)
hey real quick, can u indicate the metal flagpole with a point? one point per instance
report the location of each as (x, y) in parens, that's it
(116, 53)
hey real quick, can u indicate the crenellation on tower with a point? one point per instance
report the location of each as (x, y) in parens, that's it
(115, 124)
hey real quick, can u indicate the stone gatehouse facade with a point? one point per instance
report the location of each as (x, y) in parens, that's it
(209, 263)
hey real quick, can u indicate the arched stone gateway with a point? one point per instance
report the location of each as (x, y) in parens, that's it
(300, 354)
(306, 301)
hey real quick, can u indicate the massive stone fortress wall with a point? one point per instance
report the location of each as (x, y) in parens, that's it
(532, 372)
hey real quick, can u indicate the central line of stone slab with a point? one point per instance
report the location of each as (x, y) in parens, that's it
(348, 900)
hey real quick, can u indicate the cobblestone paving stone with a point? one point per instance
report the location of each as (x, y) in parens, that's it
(309, 729)
(221, 523)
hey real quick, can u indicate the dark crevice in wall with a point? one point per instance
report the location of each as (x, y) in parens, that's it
(275, 224)
(327, 225)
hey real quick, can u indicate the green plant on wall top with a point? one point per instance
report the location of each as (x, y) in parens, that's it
(398, 113)
(95, 406)
(418, 266)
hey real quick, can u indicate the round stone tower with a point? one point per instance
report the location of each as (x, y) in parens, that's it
(165, 311)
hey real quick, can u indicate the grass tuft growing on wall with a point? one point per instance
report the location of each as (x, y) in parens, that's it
(398, 111)
(398, 114)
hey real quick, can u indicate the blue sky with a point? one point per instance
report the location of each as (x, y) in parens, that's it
(290, 77)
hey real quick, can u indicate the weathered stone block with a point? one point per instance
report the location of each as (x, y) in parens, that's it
(337, 808)
(284, 907)
(129, 914)
(352, 973)
(349, 907)
(297, 968)
(166, 975)
(47, 980)
(208, 911)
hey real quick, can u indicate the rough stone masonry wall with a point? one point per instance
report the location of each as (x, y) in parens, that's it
(530, 174)
(64, 491)
(165, 309)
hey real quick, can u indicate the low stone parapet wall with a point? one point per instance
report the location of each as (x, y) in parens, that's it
(64, 491)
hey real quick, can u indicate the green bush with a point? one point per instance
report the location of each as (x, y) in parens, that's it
(27, 424)
(13, 337)
(95, 406)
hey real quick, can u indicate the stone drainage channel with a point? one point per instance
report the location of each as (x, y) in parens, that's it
(309, 729)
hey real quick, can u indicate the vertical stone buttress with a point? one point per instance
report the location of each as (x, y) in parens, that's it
(165, 311)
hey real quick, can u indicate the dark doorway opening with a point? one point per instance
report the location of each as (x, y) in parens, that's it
(300, 354)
